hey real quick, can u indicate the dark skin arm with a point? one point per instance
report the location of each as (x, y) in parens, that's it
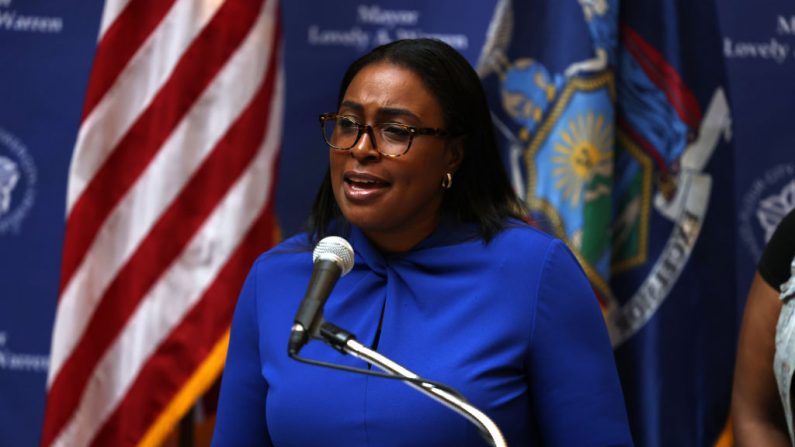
(756, 412)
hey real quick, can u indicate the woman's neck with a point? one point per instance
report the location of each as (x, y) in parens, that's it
(403, 240)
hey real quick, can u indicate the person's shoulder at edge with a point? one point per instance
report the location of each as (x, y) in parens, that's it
(774, 264)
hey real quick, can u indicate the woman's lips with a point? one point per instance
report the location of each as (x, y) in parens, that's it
(361, 187)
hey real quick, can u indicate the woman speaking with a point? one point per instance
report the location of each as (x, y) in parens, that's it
(447, 280)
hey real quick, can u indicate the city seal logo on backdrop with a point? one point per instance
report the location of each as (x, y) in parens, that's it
(17, 183)
(768, 199)
(584, 179)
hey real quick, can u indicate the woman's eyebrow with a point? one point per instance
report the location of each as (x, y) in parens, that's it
(382, 113)
(394, 112)
(352, 105)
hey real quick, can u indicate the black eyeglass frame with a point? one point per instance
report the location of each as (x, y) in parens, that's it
(361, 128)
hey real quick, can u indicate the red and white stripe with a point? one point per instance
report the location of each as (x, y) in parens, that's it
(170, 199)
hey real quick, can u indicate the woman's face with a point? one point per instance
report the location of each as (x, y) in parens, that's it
(395, 201)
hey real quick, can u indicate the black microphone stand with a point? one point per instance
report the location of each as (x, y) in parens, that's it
(346, 343)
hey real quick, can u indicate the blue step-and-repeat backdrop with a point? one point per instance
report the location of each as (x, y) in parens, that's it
(688, 106)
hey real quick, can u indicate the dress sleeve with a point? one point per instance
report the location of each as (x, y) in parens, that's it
(572, 373)
(241, 406)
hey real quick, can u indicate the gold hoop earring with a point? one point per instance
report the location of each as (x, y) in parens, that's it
(447, 181)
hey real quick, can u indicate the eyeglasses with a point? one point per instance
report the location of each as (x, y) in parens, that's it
(342, 132)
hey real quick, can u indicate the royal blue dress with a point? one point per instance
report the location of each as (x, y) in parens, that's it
(513, 325)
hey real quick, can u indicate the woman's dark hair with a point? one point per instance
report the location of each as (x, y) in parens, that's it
(481, 193)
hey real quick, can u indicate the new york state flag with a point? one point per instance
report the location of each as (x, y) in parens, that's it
(615, 129)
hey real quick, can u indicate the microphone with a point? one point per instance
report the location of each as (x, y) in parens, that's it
(333, 258)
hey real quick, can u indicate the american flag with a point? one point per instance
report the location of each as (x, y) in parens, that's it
(170, 199)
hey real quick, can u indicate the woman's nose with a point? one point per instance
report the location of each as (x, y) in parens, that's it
(366, 146)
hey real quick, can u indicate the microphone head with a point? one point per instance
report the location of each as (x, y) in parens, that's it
(336, 249)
